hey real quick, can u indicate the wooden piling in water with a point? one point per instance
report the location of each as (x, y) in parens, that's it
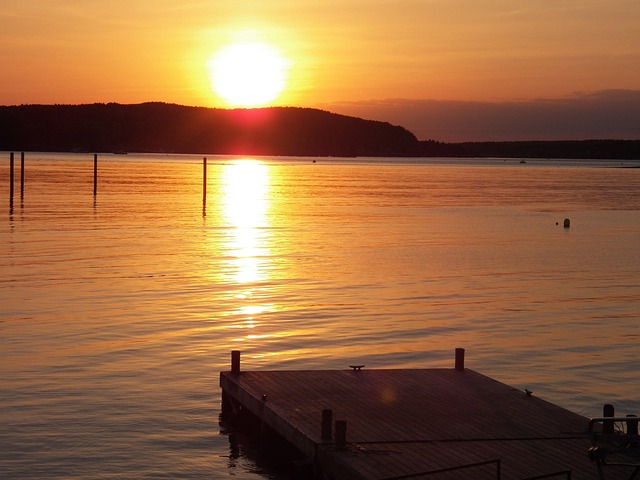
(204, 182)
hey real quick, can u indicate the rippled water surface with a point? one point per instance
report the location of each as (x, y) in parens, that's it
(118, 311)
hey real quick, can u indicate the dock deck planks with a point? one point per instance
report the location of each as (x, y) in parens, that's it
(403, 422)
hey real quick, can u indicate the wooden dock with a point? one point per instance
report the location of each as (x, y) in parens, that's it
(432, 423)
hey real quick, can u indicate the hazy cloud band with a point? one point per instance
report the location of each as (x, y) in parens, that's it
(607, 114)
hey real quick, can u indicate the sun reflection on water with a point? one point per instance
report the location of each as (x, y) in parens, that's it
(246, 202)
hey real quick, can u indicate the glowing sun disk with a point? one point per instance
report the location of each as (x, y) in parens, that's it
(248, 74)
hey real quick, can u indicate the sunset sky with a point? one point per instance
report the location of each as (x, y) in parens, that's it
(450, 70)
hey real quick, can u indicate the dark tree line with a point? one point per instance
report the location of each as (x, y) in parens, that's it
(570, 149)
(161, 127)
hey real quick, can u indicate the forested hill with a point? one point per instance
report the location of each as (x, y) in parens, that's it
(161, 127)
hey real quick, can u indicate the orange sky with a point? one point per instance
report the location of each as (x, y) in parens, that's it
(340, 51)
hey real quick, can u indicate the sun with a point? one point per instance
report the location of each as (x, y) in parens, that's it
(248, 74)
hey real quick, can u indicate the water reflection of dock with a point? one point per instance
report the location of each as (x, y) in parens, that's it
(413, 423)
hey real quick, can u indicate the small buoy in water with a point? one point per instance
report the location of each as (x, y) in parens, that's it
(567, 223)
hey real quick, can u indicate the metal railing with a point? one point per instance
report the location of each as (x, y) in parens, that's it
(609, 423)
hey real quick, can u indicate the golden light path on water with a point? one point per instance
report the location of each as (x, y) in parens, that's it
(245, 205)
(246, 202)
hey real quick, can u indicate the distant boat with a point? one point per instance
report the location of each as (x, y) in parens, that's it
(522, 161)
(120, 152)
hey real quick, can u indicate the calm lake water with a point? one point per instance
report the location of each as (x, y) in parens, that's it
(118, 312)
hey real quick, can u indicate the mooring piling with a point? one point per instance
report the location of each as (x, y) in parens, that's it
(13, 179)
(204, 183)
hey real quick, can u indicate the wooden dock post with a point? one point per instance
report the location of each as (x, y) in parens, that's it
(607, 425)
(95, 174)
(327, 424)
(341, 435)
(459, 359)
(632, 424)
(235, 361)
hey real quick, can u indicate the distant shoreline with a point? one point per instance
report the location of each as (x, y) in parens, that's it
(276, 131)
(552, 149)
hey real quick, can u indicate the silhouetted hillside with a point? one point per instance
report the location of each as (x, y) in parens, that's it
(160, 127)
